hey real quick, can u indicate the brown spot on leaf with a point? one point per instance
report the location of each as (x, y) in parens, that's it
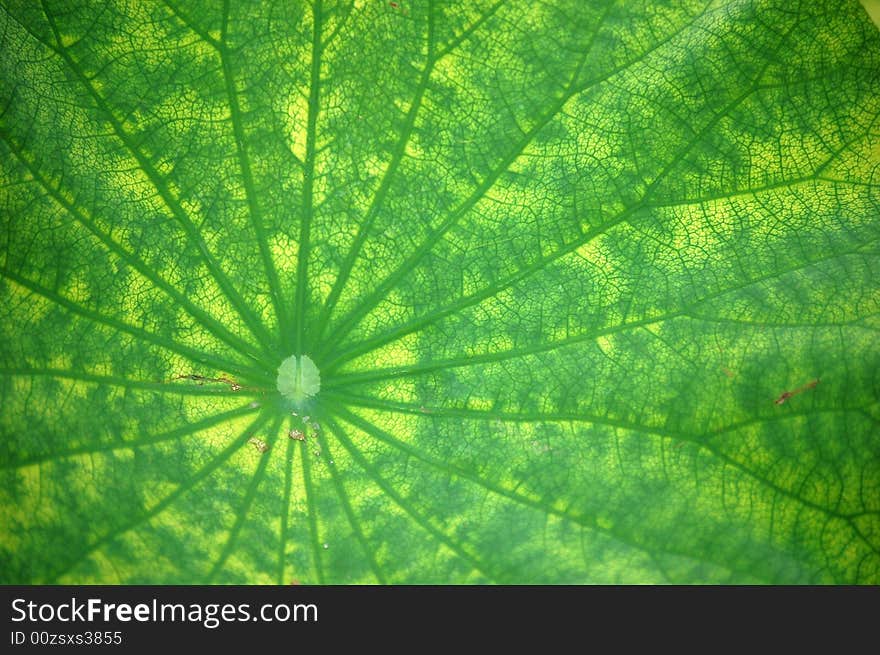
(785, 395)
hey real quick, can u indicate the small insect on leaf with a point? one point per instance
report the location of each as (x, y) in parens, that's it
(296, 435)
(259, 444)
(788, 394)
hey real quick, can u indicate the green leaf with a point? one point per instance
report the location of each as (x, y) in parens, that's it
(590, 291)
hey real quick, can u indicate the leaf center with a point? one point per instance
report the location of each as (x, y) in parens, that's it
(298, 378)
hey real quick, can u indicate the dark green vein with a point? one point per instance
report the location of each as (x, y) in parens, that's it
(285, 509)
(338, 26)
(737, 193)
(356, 377)
(470, 30)
(781, 416)
(396, 158)
(791, 325)
(190, 23)
(379, 198)
(761, 478)
(406, 506)
(204, 472)
(307, 210)
(698, 135)
(359, 377)
(171, 202)
(140, 333)
(586, 521)
(312, 512)
(529, 417)
(92, 448)
(429, 411)
(254, 210)
(700, 441)
(349, 511)
(414, 325)
(590, 522)
(369, 303)
(372, 300)
(214, 327)
(246, 503)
